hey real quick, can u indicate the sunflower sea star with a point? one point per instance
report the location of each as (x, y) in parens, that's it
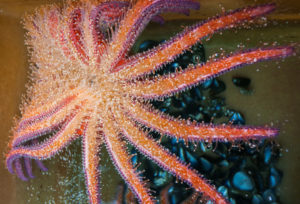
(84, 85)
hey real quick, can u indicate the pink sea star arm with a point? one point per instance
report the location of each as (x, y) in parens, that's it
(102, 18)
(47, 24)
(81, 35)
(67, 32)
(75, 32)
(174, 83)
(41, 165)
(62, 138)
(19, 169)
(135, 21)
(155, 58)
(91, 143)
(57, 33)
(27, 167)
(121, 159)
(191, 131)
(167, 161)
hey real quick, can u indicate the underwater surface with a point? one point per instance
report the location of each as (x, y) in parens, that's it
(271, 98)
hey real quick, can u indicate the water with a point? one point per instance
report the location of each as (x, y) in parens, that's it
(275, 100)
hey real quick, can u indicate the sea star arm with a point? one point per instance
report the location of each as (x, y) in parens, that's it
(62, 138)
(34, 115)
(167, 85)
(53, 21)
(19, 169)
(53, 115)
(167, 161)
(107, 14)
(48, 36)
(67, 32)
(75, 33)
(80, 37)
(121, 160)
(135, 21)
(102, 18)
(38, 112)
(168, 51)
(25, 140)
(28, 166)
(29, 137)
(191, 131)
(91, 143)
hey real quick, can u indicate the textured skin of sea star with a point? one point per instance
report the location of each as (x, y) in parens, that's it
(84, 85)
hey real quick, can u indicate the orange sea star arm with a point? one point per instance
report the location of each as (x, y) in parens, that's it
(54, 114)
(122, 161)
(168, 161)
(116, 47)
(36, 114)
(40, 110)
(91, 143)
(135, 21)
(165, 86)
(189, 131)
(166, 52)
